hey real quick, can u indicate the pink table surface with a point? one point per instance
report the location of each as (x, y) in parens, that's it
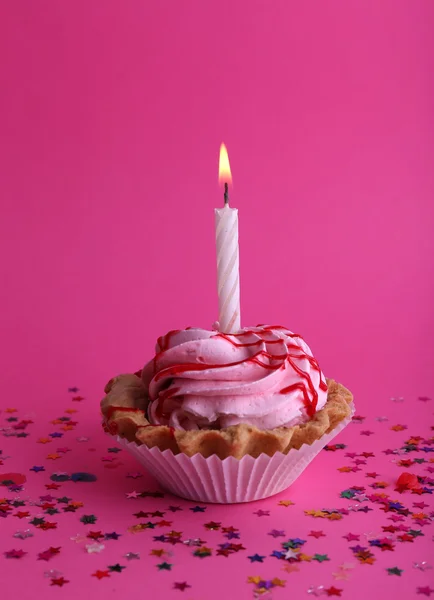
(361, 526)
(111, 116)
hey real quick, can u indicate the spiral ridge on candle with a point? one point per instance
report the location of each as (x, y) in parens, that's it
(228, 270)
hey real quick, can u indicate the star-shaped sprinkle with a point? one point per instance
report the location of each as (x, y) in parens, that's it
(394, 571)
(316, 590)
(262, 513)
(290, 568)
(316, 534)
(132, 495)
(37, 469)
(157, 552)
(94, 548)
(117, 568)
(21, 514)
(196, 509)
(60, 581)
(132, 556)
(88, 519)
(202, 552)
(320, 557)
(422, 566)
(256, 558)
(164, 566)
(352, 537)
(14, 553)
(23, 534)
(332, 591)
(112, 536)
(181, 585)
(48, 554)
(101, 574)
(277, 533)
(341, 575)
(212, 525)
(426, 590)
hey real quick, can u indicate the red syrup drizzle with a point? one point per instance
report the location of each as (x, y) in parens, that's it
(310, 404)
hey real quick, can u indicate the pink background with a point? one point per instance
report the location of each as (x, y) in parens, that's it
(111, 117)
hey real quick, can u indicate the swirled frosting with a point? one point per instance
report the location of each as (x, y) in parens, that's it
(265, 376)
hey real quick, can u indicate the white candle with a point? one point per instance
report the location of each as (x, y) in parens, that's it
(228, 277)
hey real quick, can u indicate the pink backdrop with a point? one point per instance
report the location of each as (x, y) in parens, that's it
(111, 117)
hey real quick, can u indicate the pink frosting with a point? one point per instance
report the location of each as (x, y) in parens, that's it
(265, 376)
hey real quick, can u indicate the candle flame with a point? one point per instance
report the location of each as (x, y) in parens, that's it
(224, 167)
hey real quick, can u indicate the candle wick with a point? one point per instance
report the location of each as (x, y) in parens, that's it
(226, 194)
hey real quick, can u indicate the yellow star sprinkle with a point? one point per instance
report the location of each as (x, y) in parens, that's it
(334, 517)
(285, 503)
(304, 557)
(156, 552)
(291, 568)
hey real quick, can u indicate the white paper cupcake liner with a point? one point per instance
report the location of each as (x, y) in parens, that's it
(230, 480)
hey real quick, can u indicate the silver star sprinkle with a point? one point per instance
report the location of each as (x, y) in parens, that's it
(92, 548)
(360, 497)
(422, 566)
(23, 534)
(316, 590)
(193, 542)
(132, 556)
(53, 574)
(381, 419)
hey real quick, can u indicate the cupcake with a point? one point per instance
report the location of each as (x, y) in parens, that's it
(227, 417)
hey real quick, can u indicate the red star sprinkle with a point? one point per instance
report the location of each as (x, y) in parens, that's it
(183, 585)
(59, 581)
(332, 591)
(100, 574)
(351, 536)
(316, 534)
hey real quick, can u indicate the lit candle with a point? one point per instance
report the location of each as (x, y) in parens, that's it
(226, 232)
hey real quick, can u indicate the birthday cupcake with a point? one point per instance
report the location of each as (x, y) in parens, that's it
(232, 414)
(227, 417)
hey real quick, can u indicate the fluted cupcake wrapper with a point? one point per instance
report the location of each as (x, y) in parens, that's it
(230, 480)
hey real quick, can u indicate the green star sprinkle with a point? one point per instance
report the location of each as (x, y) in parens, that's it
(395, 571)
(320, 557)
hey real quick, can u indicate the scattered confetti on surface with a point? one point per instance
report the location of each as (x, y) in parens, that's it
(79, 513)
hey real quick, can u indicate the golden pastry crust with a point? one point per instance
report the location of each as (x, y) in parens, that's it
(124, 405)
